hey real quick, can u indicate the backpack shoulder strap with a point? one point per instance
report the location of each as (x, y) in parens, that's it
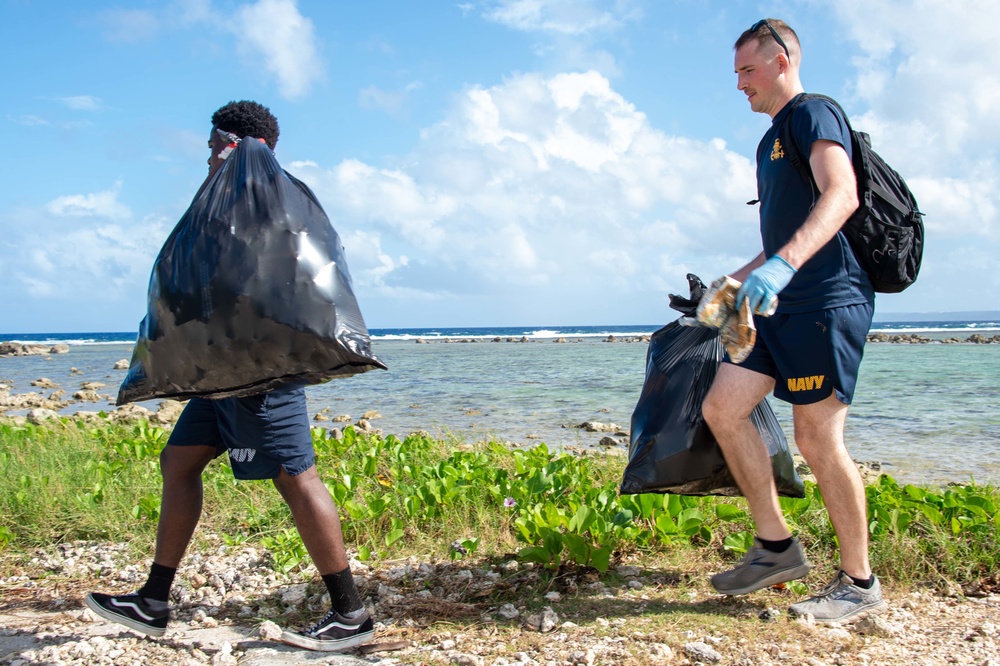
(788, 140)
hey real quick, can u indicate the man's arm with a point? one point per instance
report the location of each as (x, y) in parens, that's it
(754, 264)
(838, 199)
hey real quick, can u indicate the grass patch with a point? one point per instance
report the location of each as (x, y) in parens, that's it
(72, 480)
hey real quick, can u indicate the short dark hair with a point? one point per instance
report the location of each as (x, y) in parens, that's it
(763, 35)
(246, 118)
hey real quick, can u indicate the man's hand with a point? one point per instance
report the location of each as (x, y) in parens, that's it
(763, 285)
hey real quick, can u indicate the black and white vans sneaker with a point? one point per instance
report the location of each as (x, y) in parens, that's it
(334, 633)
(146, 616)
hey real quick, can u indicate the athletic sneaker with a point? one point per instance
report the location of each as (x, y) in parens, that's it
(761, 568)
(146, 616)
(334, 633)
(841, 601)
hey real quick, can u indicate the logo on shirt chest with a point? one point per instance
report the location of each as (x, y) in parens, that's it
(777, 152)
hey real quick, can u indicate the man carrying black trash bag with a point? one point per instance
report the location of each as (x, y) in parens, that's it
(809, 344)
(268, 437)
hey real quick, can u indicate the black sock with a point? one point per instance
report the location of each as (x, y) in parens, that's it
(344, 595)
(158, 584)
(776, 546)
(863, 583)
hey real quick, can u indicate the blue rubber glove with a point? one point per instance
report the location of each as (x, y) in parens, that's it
(764, 284)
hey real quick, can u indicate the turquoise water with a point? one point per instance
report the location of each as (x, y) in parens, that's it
(927, 412)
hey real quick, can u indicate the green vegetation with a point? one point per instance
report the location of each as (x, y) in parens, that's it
(72, 480)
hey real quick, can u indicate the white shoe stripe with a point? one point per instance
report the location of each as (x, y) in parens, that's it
(340, 625)
(134, 607)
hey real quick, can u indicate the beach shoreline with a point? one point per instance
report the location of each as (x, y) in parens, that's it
(922, 409)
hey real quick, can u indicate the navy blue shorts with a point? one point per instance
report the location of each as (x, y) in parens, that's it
(810, 354)
(263, 433)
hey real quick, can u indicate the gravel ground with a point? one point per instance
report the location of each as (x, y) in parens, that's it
(228, 605)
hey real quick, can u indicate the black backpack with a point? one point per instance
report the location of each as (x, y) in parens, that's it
(887, 231)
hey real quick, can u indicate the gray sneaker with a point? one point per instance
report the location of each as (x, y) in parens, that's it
(842, 601)
(761, 568)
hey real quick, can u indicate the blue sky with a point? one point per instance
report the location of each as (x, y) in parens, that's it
(486, 163)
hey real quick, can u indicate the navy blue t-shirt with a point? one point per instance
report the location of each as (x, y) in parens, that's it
(832, 277)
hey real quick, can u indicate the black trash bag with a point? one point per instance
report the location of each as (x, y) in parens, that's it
(672, 449)
(250, 292)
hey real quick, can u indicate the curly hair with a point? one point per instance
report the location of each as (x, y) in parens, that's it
(246, 118)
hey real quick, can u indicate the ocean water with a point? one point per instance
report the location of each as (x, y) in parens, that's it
(928, 413)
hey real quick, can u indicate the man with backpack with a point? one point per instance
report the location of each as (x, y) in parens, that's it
(813, 306)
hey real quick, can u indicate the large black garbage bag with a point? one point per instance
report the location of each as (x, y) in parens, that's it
(250, 291)
(672, 449)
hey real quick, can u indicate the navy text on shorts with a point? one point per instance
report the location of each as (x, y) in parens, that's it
(810, 354)
(263, 433)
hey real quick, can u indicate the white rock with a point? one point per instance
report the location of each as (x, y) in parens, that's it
(660, 654)
(39, 415)
(838, 634)
(543, 622)
(508, 612)
(874, 625)
(294, 595)
(269, 631)
(699, 651)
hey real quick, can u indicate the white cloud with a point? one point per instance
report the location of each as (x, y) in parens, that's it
(97, 204)
(93, 262)
(93, 254)
(929, 78)
(369, 264)
(392, 102)
(565, 17)
(275, 32)
(29, 120)
(550, 187)
(570, 29)
(273, 35)
(82, 102)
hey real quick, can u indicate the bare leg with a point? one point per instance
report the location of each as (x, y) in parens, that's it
(819, 435)
(180, 507)
(316, 519)
(734, 394)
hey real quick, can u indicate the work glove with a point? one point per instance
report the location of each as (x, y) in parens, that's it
(763, 285)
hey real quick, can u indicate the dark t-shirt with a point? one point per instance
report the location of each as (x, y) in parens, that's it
(832, 277)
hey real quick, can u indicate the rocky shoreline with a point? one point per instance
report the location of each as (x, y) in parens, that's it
(19, 349)
(917, 339)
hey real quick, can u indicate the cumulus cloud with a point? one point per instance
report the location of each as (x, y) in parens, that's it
(94, 252)
(928, 79)
(97, 204)
(273, 35)
(557, 185)
(571, 30)
(92, 260)
(276, 34)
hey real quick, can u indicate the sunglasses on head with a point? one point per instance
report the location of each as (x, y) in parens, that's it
(763, 22)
